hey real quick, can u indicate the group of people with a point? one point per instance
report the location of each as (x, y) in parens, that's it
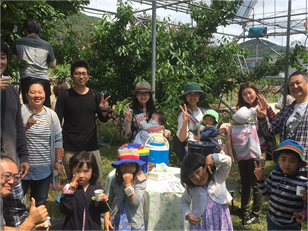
(34, 139)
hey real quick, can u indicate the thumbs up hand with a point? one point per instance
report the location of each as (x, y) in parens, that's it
(38, 214)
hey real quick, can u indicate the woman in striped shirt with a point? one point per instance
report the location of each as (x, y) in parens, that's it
(44, 142)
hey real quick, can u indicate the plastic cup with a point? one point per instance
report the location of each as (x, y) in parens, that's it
(298, 189)
(98, 193)
(46, 223)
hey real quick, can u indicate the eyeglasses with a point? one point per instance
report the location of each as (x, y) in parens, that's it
(8, 177)
(143, 93)
(84, 74)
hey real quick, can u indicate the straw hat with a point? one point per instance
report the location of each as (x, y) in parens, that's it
(127, 154)
(193, 87)
(142, 86)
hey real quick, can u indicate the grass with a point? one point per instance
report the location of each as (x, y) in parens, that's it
(109, 155)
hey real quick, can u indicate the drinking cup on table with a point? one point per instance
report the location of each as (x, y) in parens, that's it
(46, 223)
(298, 190)
(98, 193)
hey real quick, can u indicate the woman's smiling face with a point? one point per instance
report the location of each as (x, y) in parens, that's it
(249, 95)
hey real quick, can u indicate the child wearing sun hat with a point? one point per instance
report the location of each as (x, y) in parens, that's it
(127, 190)
(281, 186)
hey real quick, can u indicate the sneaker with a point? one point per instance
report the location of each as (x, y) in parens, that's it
(50, 185)
(253, 220)
(58, 186)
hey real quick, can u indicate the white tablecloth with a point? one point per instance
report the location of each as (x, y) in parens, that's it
(162, 209)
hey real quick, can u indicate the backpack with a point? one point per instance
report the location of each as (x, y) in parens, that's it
(178, 146)
(271, 146)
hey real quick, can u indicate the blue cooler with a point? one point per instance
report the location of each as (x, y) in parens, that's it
(159, 152)
(201, 147)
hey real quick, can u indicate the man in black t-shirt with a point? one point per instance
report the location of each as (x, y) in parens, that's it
(78, 106)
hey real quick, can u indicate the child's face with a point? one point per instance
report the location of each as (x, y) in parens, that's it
(84, 174)
(288, 162)
(208, 120)
(155, 118)
(199, 176)
(128, 167)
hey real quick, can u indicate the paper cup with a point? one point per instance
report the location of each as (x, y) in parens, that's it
(98, 193)
(166, 131)
(46, 223)
(298, 189)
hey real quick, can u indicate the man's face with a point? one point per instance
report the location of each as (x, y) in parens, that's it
(8, 177)
(298, 87)
(80, 76)
(3, 62)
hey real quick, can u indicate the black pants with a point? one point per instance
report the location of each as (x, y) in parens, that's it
(27, 82)
(249, 181)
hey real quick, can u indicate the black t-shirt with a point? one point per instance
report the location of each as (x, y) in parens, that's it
(78, 111)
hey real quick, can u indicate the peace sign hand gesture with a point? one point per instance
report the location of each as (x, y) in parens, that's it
(104, 103)
(186, 115)
(128, 115)
(31, 121)
(74, 184)
(258, 171)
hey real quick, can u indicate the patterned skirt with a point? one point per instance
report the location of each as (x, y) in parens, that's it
(121, 221)
(215, 217)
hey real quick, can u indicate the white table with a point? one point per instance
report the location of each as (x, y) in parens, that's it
(162, 209)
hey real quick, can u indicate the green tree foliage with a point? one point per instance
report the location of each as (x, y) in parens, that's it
(14, 13)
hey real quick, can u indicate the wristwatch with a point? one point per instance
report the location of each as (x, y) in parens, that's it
(129, 191)
(59, 161)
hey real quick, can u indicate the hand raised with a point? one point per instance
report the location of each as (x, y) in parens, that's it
(31, 121)
(128, 115)
(127, 177)
(104, 103)
(74, 184)
(263, 105)
(186, 115)
(38, 214)
(258, 171)
(209, 163)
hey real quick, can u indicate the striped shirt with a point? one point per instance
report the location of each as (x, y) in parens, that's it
(283, 201)
(38, 141)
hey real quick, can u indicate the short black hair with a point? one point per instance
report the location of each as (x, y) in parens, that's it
(5, 48)
(59, 87)
(79, 63)
(161, 117)
(32, 25)
(305, 76)
(82, 158)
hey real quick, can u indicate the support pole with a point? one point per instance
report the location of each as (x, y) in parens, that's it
(153, 64)
(286, 70)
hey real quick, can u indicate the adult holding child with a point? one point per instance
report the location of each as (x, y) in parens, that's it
(143, 103)
(191, 115)
(246, 117)
(44, 142)
(292, 121)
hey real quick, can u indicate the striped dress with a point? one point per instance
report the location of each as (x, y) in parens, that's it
(283, 201)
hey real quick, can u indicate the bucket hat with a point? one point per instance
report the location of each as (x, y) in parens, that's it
(290, 145)
(213, 114)
(127, 154)
(142, 86)
(193, 87)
